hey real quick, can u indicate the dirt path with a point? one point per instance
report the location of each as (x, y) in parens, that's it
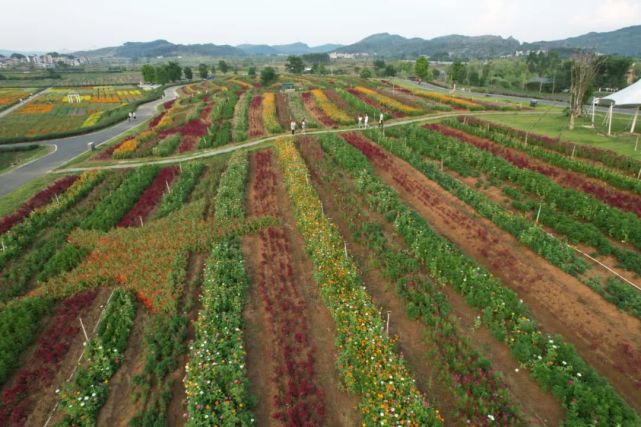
(286, 320)
(607, 338)
(120, 408)
(539, 407)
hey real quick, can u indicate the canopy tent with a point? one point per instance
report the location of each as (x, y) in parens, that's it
(628, 97)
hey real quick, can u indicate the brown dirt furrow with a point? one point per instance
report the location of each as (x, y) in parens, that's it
(607, 338)
(539, 407)
(120, 407)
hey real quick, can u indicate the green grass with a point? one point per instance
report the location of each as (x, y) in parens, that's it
(10, 202)
(555, 123)
(11, 159)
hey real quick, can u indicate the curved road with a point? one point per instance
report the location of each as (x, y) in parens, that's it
(66, 149)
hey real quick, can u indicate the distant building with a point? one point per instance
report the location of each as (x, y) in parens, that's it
(338, 55)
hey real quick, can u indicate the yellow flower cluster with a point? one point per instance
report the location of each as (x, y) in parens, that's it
(328, 107)
(127, 148)
(92, 119)
(368, 363)
(387, 101)
(270, 119)
(240, 83)
(446, 99)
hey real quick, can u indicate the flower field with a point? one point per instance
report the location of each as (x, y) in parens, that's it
(11, 96)
(429, 274)
(52, 114)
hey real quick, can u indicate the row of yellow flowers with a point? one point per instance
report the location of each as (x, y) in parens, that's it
(387, 101)
(330, 108)
(447, 99)
(270, 118)
(367, 362)
(92, 119)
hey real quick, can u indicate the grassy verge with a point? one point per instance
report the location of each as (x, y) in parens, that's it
(9, 202)
(555, 124)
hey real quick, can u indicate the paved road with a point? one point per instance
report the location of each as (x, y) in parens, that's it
(21, 104)
(66, 149)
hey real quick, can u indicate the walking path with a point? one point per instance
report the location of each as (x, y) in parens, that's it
(123, 164)
(65, 149)
(22, 104)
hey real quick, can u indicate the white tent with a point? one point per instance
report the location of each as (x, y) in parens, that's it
(628, 97)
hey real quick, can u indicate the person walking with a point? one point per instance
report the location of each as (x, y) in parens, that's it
(366, 121)
(292, 126)
(380, 121)
(303, 125)
(134, 115)
(129, 117)
(360, 121)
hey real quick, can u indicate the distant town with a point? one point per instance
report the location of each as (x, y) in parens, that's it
(46, 61)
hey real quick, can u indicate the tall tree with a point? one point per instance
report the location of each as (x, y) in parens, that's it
(295, 64)
(162, 77)
(251, 72)
(189, 74)
(458, 72)
(422, 68)
(584, 68)
(203, 71)
(174, 71)
(268, 75)
(148, 73)
(223, 66)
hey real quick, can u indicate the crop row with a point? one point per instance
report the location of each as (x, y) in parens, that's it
(255, 117)
(555, 365)
(23, 234)
(270, 116)
(312, 107)
(82, 398)
(111, 209)
(387, 101)
(181, 190)
(330, 109)
(620, 225)
(368, 364)
(480, 390)
(241, 122)
(40, 199)
(167, 145)
(149, 198)
(601, 155)
(50, 350)
(547, 154)
(611, 196)
(216, 383)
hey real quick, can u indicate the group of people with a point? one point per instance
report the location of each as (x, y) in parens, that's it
(132, 116)
(363, 121)
(293, 125)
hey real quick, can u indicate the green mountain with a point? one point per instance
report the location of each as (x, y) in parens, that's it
(162, 48)
(626, 41)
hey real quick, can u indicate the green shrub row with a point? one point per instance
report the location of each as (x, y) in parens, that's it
(166, 146)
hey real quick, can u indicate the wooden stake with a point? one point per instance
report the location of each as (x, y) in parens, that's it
(636, 145)
(168, 188)
(3, 247)
(573, 150)
(639, 174)
(345, 243)
(526, 136)
(181, 167)
(142, 224)
(84, 331)
(441, 163)
(57, 199)
(538, 214)
(387, 325)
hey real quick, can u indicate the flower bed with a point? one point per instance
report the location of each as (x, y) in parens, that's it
(150, 198)
(40, 199)
(330, 109)
(256, 127)
(270, 118)
(368, 364)
(310, 105)
(387, 101)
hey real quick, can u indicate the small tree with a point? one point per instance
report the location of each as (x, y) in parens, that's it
(189, 74)
(379, 64)
(366, 73)
(174, 71)
(422, 68)
(458, 72)
(584, 68)
(389, 71)
(162, 77)
(251, 72)
(295, 64)
(203, 71)
(148, 73)
(223, 66)
(268, 75)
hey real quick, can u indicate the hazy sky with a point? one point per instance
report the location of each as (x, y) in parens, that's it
(47, 25)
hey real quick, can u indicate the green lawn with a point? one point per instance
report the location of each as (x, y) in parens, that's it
(10, 159)
(555, 123)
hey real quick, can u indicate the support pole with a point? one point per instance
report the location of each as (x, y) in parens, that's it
(84, 331)
(142, 224)
(538, 214)
(387, 324)
(636, 145)
(610, 120)
(595, 101)
(634, 121)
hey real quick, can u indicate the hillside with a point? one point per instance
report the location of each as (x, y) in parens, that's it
(626, 41)
(162, 48)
